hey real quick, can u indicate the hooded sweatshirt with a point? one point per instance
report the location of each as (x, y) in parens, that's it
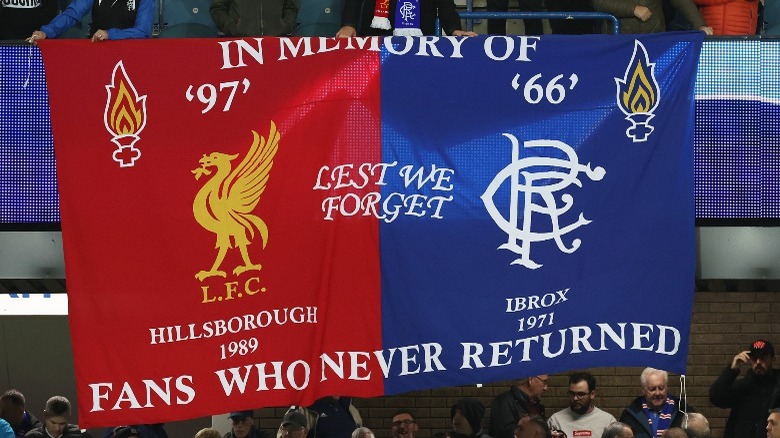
(473, 410)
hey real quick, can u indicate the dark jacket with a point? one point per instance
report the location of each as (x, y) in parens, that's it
(29, 422)
(358, 14)
(749, 399)
(71, 431)
(334, 418)
(507, 409)
(255, 17)
(19, 18)
(624, 10)
(634, 416)
(253, 433)
(146, 430)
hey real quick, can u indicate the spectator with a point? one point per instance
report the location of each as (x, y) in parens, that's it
(243, 426)
(533, 426)
(126, 432)
(697, 426)
(18, 19)
(12, 410)
(255, 17)
(294, 425)
(117, 20)
(522, 399)
(581, 418)
(532, 26)
(55, 421)
(403, 425)
(618, 430)
(208, 433)
(336, 418)
(6, 431)
(650, 414)
(362, 432)
(369, 17)
(749, 397)
(640, 16)
(773, 424)
(144, 430)
(466, 417)
(674, 432)
(730, 17)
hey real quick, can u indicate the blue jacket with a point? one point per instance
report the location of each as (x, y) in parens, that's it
(79, 8)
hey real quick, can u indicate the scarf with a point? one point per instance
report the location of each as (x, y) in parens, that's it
(407, 17)
(664, 418)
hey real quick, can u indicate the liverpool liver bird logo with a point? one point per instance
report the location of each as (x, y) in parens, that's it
(225, 203)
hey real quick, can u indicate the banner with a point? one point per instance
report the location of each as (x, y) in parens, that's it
(266, 221)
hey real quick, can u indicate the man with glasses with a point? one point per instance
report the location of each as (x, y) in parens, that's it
(509, 407)
(294, 425)
(244, 426)
(404, 425)
(581, 418)
(748, 397)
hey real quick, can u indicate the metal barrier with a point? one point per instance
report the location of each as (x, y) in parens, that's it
(472, 15)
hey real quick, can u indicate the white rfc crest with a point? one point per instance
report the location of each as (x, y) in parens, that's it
(538, 177)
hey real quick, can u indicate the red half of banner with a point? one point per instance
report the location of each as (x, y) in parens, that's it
(204, 274)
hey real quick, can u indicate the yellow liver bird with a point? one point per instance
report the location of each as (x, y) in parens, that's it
(225, 203)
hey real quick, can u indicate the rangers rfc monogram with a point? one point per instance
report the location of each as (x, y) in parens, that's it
(538, 178)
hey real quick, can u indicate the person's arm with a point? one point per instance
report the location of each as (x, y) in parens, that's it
(143, 23)
(450, 20)
(67, 19)
(289, 15)
(618, 8)
(220, 13)
(349, 18)
(691, 13)
(721, 394)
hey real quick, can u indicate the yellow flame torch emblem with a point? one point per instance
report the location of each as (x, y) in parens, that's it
(638, 94)
(124, 116)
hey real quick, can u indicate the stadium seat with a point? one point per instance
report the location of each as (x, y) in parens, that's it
(319, 18)
(772, 17)
(187, 19)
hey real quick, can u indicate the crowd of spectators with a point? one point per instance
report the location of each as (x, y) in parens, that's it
(753, 399)
(35, 20)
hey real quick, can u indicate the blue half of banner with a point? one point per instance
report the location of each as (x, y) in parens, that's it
(558, 183)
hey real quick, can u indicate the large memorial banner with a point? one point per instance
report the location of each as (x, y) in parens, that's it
(266, 221)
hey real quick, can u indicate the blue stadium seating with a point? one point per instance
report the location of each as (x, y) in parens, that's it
(187, 19)
(319, 18)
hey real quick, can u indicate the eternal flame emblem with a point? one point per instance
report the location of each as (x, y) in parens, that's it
(538, 177)
(225, 203)
(124, 116)
(638, 94)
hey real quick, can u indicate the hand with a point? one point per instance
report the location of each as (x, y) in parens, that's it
(346, 32)
(100, 36)
(707, 30)
(36, 36)
(463, 33)
(740, 359)
(642, 12)
(558, 434)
